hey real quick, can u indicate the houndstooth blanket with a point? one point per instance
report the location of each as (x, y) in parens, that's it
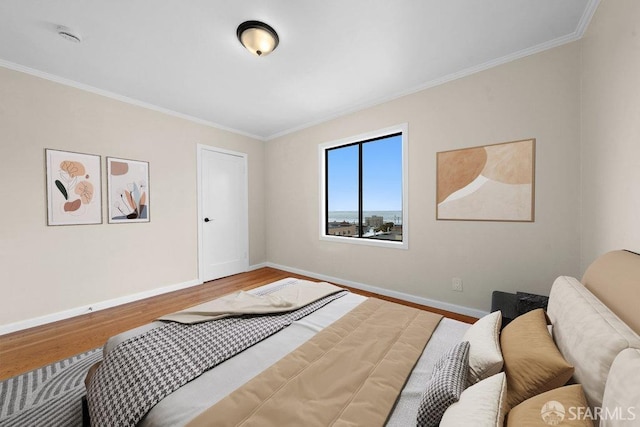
(141, 371)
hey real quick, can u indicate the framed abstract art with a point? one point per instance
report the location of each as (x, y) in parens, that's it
(487, 183)
(74, 188)
(128, 190)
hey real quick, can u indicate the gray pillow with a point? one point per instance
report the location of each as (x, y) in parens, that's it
(447, 383)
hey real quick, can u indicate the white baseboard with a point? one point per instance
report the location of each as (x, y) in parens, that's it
(90, 308)
(61, 315)
(257, 266)
(473, 312)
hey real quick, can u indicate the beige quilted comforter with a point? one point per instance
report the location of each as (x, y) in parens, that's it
(350, 373)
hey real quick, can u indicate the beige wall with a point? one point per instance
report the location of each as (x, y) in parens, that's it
(535, 97)
(611, 130)
(45, 270)
(580, 101)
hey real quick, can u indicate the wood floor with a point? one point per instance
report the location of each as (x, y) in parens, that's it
(29, 349)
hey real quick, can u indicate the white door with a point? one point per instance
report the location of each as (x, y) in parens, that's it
(223, 216)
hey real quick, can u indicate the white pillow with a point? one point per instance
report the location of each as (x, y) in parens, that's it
(588, 334)
(485, 356)
(622, 391)
(484, 404)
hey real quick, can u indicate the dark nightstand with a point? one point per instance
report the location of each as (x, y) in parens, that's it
(513, 305)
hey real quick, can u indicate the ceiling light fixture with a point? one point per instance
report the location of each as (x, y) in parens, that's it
(257, 37)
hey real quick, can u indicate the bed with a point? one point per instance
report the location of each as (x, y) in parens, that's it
(454, 374)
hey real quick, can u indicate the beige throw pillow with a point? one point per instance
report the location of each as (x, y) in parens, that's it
(532, 361)
(565, 406)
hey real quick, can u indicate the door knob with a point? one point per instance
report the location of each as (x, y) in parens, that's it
(207, 220)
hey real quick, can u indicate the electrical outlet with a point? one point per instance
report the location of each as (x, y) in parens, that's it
(456, 284)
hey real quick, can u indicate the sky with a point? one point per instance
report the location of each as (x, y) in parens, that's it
(382, 176)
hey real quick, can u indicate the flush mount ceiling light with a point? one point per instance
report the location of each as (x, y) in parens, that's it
(257, 37)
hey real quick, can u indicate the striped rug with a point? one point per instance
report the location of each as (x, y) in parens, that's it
(49, 396)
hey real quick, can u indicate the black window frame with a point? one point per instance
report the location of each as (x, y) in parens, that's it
(360, 141)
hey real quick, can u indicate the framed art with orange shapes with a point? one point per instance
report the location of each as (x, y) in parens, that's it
(487, 183)
(74, 188)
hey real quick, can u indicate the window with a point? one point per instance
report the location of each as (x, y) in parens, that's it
(363, 189)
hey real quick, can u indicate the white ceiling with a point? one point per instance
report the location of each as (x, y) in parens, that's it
(334, 57)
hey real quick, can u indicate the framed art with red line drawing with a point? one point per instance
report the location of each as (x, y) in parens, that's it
(74, 188)
(128, 192)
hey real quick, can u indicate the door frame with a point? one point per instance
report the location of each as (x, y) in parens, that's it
(245, 201)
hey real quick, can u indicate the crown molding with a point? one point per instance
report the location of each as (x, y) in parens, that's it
(72, 83)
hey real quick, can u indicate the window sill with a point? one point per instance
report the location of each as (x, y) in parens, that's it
(366, 242)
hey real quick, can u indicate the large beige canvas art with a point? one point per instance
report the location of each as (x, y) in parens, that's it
(487, 183)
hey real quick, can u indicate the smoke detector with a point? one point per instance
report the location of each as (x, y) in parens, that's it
(69, 34)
